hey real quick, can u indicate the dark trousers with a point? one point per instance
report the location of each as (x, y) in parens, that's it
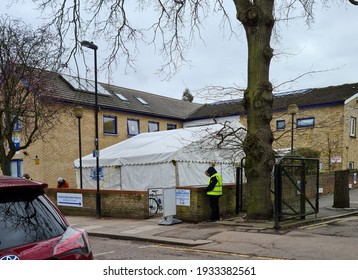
(214, 205)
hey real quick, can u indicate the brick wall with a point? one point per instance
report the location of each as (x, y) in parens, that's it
(134, 204)
(119, 204)
(199, 209)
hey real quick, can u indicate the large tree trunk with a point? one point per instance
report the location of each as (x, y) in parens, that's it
(5, 166)
(258, 22)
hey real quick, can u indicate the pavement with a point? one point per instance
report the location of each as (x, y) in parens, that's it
(189, 234)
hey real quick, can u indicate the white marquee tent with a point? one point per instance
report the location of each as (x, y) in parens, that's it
(163, 159)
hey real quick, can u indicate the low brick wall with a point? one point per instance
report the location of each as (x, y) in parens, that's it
(199, 209)
(134, 204)
(120, 204)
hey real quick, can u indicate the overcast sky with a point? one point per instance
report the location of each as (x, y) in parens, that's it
(330, 44)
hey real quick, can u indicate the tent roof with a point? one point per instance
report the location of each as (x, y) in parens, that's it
(186, 144)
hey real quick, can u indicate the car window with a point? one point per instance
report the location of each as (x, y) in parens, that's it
(27, 217)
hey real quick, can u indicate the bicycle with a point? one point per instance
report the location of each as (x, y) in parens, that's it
(155, 202)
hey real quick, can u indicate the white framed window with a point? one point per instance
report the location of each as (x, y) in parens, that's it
(353, 127)
(141, 100)
(121, 96)
(133, 127)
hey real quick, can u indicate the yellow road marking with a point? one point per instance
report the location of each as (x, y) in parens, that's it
(217, 252)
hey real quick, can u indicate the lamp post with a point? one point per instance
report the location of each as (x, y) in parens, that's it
(79, 115)
(292, 110)
(94, 47)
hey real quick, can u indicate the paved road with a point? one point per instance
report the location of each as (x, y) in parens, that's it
(342, 227)
(110, 249)
(331, 240)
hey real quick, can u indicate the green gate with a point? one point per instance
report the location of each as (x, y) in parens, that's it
(296, 188)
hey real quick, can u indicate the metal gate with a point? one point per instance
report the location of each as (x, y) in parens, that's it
(296, 188)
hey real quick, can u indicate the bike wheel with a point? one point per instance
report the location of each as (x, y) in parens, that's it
(153, 206)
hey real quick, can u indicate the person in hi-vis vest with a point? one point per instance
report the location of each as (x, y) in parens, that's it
(214, 192)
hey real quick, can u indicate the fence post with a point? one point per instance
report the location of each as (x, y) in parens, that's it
(277, 195)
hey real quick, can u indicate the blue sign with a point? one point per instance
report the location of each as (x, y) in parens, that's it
(93, 173)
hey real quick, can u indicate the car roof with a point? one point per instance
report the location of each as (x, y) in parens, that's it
(8, 182)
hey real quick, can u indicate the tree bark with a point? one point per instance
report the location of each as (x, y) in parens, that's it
(257, 19)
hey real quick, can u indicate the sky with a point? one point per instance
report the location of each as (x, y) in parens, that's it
(328, 48)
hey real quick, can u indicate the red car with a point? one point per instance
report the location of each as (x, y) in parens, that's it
(33, 228)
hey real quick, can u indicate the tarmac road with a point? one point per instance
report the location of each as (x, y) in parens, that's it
(332, 235)
(331, 240)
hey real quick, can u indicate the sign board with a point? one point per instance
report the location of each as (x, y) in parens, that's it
(69, 199)
(93, 173)
(169, 208)
(336, 159)
(183, 197)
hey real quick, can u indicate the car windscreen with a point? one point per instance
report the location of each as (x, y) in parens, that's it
(26, 217)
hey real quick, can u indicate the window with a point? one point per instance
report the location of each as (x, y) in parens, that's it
(353, 127)
(171, 126)
(16, 167)
(85, 85)
(121, 96)
(351, 165)
(153, 126)
(280, 124)
(32, 219)
(305, 122)
(17, 126)
(133, 127)
(141, 100)
(109, 125)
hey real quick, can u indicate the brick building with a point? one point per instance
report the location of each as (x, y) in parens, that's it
(326, 121)
(123, 113)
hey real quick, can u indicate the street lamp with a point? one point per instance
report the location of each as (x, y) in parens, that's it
(79, 115)
(292, 110)
(94, 47)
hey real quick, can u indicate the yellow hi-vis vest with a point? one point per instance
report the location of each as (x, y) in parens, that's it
(218, 189)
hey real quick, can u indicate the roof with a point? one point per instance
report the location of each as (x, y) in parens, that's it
(195, 144)
(8, 182)
(327, 96)
(130, 100)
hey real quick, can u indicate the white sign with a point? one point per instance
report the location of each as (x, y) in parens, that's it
(336, 159)
(183, 197)
(169, 208)
(69, 199)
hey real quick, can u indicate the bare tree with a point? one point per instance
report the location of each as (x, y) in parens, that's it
(28, 107)
(173, 28)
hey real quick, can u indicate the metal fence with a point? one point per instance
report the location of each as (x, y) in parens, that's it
(296, 188)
